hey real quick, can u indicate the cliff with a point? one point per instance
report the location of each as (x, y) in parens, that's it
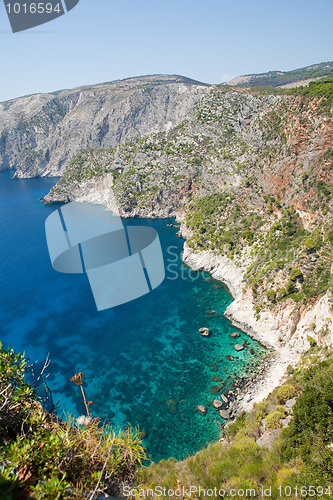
(248, 173)
(40, 134)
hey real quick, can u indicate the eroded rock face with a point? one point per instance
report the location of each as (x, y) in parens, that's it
(40, 134)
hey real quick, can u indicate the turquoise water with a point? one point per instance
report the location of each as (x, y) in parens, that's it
(144, 362)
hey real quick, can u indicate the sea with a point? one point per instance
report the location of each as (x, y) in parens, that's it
(144, 363)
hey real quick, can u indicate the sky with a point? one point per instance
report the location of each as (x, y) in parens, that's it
(211, 41)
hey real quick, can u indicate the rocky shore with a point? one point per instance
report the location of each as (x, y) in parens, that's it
(285, 330)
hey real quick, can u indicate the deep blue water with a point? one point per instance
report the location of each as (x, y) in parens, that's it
(144, 362)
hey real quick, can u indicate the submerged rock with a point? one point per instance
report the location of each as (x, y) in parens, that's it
(215, 389)
(171, 404)
(229, 358)
(202, 410)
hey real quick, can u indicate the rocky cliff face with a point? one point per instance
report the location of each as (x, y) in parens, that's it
(40, 134)
(158, 174)
(249, 175)
(247, 172)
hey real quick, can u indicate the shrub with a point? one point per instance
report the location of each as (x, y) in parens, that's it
(330, 237)
(323, 188)
(271, 295)
(310, 244)
(282, 409)
(295, 274)
(16, 395)
(49, 458)
(311, 428)
(285, 392)
(273, 420)
(290, 369)
(311, 341)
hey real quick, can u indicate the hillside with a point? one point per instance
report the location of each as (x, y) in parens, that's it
(247, 172)
(249, 176)
(40, 133)
(300, 76)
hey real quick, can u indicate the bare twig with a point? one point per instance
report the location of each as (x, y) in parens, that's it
(103, 469)
(45, 366)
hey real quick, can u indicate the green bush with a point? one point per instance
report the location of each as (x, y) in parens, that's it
(311, 340)
(285, 392)
(271, 295)
(16, 395)
(44, 457)
(310, 244)
(273, 420)
(323, 188)
(311, 427)
(295, 274)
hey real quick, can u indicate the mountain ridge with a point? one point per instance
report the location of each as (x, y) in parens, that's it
(278, 78)
(40, 133)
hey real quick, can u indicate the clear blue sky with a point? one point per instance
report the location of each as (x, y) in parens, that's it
(103, 40)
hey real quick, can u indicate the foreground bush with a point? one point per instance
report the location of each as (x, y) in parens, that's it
(44, 457)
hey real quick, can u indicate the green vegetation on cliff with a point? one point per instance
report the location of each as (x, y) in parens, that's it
(280, 78)
(251, 170)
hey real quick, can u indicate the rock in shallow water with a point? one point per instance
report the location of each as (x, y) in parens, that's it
(202, 410)
(171, 404)
(215, 389)
(234, 335)
(238, 347)
(217, 404)
(205, 332)
(224, 414)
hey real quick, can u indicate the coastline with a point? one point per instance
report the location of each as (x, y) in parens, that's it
(284, 331)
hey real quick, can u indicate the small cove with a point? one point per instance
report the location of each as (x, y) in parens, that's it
(144, 362)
